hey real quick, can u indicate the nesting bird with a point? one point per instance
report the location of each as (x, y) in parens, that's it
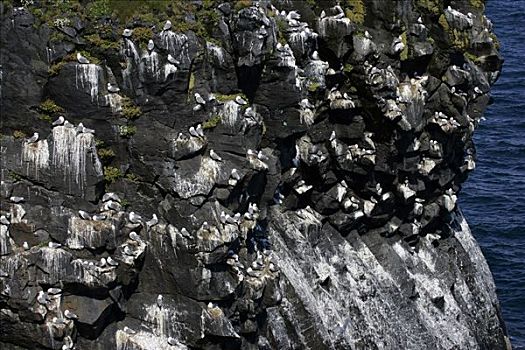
(199, 99)
(70, 315)
(81, 59)
(99, 217)
(152, 222)
(240, 100)
(151, 45)
(167, 25)
(135, 218)
(110, 196)
(113, 88)
(54, 245)
(127, 33)
(33, 138)
(59, 121)
(215, 156)
(134, 236)
(4, 220)
(235, 174)
(84, 215)
(111, 262)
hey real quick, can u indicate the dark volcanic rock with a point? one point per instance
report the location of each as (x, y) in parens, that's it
(266, 175)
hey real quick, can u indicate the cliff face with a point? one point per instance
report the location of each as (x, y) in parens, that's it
(274, 175)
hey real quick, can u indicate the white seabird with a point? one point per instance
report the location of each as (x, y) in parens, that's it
(111, 205)
(99, 217)
(151, 45)
(127, 251)
(262, 156)
(54, 245)
(25, 245)
(70, 315)
(68, 343)
(152, 222)
(193, 132)
(59, 121)
(42, 298)
(33, 138)
(103, 262)
(223, 217)
(215, 156)
(4, 220)
(129, 330)
(134, 236)
(199, 130)
(81, 59)
(110, 196)
(167, 25)
(16, 199)
(135, 218)
(127, 32)
(199, 99)
(159, 300)
(235, 174)
(240, 100)
(84, 215)
(111, 262)
(172, 60)
(113, 87)
(54, 291)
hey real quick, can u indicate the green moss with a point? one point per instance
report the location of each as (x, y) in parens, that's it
(124, 202)
(99, 9)
(50, 107)
(225, 98)
(242, 4)
(133, 177)
(282, 27)
(90, 57)
(312, 87)
(45, 117)
(347, 68)
(142, 34)
(443, 22)
(130, 110)
(105, 154)
(96, 40)
(495, 40)
(355, 11)
(54, 69)
(14, 176)
(112, 174)
(19, 134)
(127, 130)
(480, 4)
(212, 122)
(433, 6)
(404, 53)
(472, 57)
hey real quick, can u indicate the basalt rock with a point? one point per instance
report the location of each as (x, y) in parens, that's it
(238, 175)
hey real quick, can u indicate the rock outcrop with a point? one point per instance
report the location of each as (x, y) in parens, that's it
(243, 175)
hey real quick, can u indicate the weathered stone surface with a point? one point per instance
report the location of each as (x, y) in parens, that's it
(275, 175)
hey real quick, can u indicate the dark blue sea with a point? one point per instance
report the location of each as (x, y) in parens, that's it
(493, 197)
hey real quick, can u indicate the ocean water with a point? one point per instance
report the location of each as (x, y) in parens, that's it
(493, 197)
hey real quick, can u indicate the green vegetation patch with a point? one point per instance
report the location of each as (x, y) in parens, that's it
(355, 10)
(127, 130)
(50, 107)
(19, 134)
(112, 174)
(212, 122)
(130, 110)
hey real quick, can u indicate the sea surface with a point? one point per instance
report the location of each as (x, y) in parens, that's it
(493, 197)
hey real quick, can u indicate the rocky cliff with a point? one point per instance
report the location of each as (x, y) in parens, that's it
(242, 175)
